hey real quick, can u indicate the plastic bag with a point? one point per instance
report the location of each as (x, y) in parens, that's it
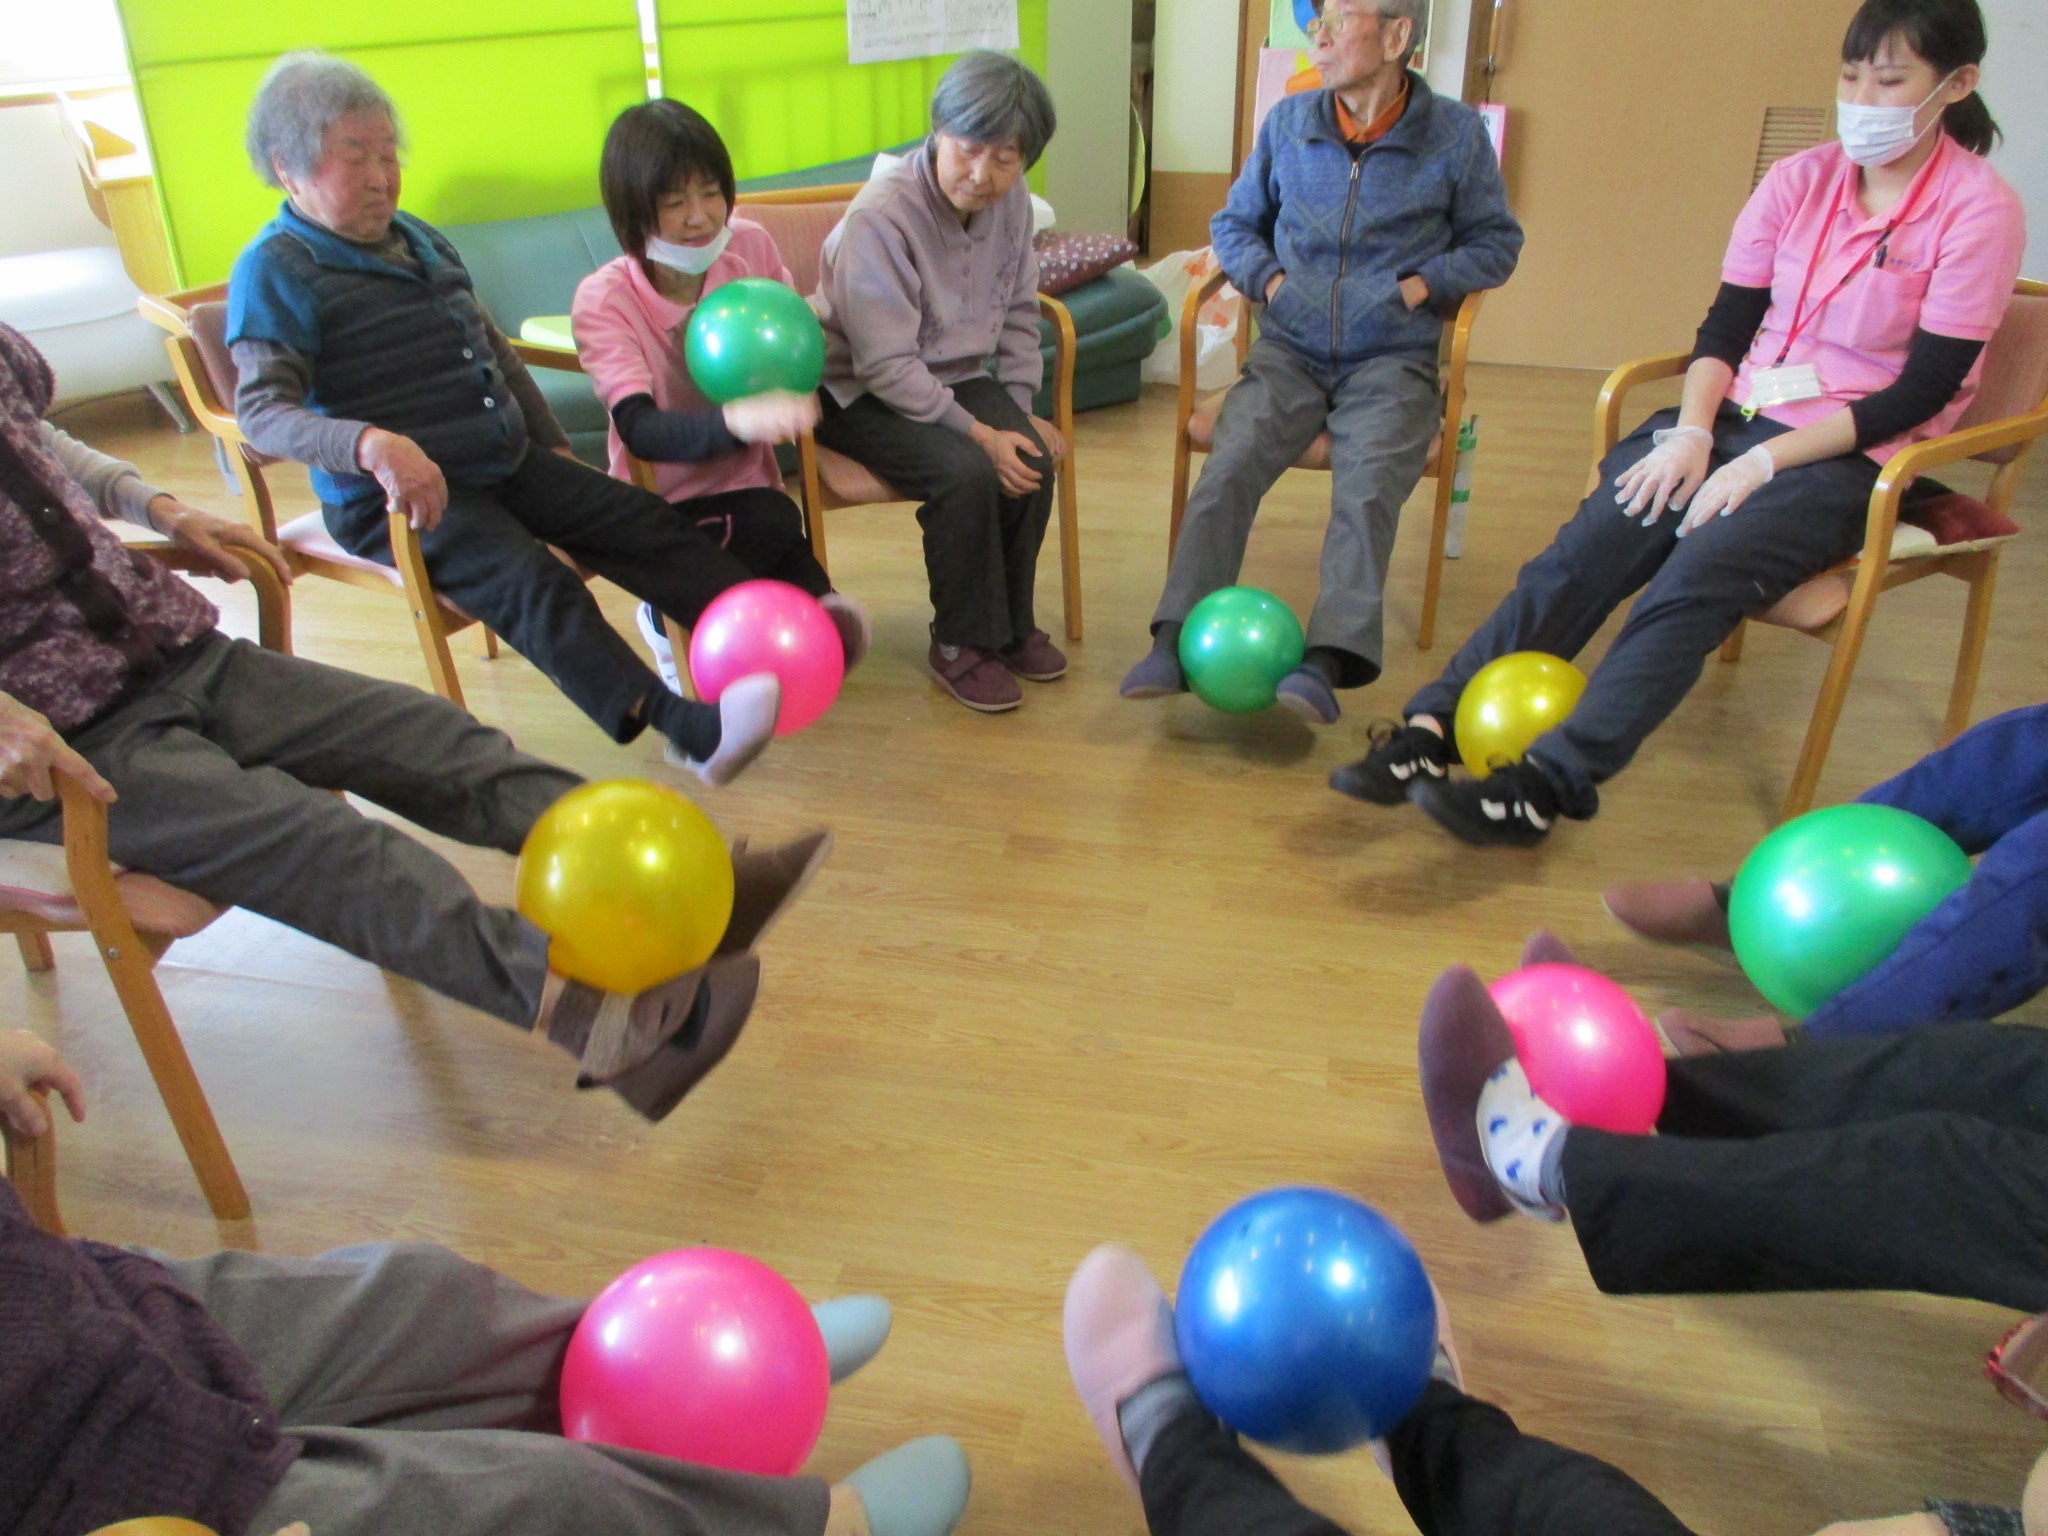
(1216, 335)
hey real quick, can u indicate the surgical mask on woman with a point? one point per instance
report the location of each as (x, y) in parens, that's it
(1874, 136)
(694, 260)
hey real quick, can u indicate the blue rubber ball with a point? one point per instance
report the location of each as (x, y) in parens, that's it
(1305, 1321)
(1304, 13)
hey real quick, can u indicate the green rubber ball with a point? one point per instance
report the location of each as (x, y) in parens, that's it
(752, 335)
(1236, 645)
(1830, 894)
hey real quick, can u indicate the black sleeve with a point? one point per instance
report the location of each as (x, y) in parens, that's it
(671, 437)
(1731, 325)
(1935, 369)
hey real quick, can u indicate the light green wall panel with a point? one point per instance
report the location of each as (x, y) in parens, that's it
(780, 91)
(495, 129)
(180, 31)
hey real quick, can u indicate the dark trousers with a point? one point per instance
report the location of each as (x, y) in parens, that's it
(980, 545)
(1695, 591)
(762, 529)
(489, 556)
(1984, 950)
(1460, 1465)
(1910, 1162)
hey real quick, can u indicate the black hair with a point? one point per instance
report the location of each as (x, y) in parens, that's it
(649, 151)
(1946, 33)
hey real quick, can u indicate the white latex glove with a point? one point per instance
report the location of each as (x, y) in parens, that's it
(779, 416)
(1667, 475)
(1730, 486)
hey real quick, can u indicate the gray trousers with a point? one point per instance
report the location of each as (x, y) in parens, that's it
(223, 763)
(424, 1389)
(1381, 417)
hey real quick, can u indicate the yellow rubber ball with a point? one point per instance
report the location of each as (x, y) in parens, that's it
(1511, 701)
(629, 880)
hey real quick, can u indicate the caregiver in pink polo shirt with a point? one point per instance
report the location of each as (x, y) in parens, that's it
(1858, 291)
(668, 187)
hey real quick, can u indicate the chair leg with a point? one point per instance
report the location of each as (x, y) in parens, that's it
(134, 978)
(1731, 648)
(1070, 546)
(426, 609)
(32, 1169)
(487, 642)
(679, 647)
(1962, 693)
(35, 950)
(1827, 709)
(1439, 533)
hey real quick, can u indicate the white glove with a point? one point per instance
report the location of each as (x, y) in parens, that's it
(1732, 484)
(1667, 475)
(779, 416)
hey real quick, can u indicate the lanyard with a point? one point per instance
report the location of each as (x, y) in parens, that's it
(1801, 316)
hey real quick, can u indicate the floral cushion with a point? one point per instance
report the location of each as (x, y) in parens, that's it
(1065, 262)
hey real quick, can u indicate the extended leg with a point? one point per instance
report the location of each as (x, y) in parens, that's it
(1986, 783)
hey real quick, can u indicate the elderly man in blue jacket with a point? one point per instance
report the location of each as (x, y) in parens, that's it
(1368, 211)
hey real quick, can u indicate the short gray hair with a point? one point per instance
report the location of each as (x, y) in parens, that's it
(989, 97)
(303, 96)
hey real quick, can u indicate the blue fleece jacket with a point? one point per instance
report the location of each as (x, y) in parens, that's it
(1346, 225)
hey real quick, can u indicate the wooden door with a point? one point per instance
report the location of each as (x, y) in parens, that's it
(1632, 138)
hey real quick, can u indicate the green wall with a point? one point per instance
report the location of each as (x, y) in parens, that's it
(505, 102)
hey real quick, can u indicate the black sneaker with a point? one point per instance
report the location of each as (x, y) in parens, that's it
(1401, 755)
(1512, 807)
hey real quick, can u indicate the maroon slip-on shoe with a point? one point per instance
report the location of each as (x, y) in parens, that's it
(1462, 1041)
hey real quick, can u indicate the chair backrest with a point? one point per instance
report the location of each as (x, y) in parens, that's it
(799, 224)
(209, 326)
(2015, 377)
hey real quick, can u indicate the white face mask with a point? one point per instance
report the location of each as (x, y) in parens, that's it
(1879, 135)
(693, 259)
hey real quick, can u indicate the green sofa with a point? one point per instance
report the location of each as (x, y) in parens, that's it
(531, 266)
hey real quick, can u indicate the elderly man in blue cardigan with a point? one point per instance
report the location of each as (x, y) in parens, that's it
(1367, 212)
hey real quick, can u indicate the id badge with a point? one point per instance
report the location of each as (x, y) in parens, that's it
(1783, 386)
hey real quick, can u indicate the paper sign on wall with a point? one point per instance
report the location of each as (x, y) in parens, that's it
(878, 30)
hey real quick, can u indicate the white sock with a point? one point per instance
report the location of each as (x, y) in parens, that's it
(1522, 1136)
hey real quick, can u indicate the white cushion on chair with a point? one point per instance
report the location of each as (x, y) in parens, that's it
(1818, 603)
(35, 880)
(308, 536)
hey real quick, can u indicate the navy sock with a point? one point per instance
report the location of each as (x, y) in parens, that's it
(1326, 663)
(1166, 638)
(694, 728)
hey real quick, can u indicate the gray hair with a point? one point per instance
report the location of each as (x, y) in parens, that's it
(988, 97)
(303, 96)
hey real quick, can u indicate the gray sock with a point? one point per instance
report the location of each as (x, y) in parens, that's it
(1550, 1178)
(1141, 1416)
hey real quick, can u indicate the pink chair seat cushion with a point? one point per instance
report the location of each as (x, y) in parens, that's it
(308, 536)
(853, 482)
(34, 879)
(1202, 434)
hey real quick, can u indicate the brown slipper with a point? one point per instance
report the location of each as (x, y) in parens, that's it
(1462, 1041)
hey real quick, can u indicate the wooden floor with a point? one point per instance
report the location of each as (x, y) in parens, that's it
(1091, 970)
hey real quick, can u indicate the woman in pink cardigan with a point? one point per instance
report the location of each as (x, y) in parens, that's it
(668, 187)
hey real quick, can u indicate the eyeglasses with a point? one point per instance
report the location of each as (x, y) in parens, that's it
(1333, 26)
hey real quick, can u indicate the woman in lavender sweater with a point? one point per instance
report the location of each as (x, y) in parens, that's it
(929, 296)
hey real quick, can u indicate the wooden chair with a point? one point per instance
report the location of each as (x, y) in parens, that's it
(195, 333)
(133, 919)
(800, 218)
(1194, 429)
(2009, 412)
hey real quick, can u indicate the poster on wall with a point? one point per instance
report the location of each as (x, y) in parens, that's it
(880, 30)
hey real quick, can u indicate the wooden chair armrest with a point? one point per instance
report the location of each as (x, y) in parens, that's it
(32, 1169)
(536, 356)
(1064, 349)
(1454, 375)
(1190, 340)
(1917, 459)
(1620, 383)
(273, 600)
